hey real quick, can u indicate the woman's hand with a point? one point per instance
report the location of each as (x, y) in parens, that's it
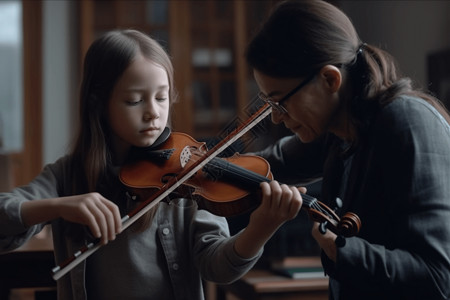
(93, 210)
(279, 204)
(326, 241)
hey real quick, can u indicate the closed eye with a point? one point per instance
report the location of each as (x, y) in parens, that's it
(133, 102)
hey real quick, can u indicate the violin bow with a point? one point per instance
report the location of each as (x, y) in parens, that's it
(166, 190)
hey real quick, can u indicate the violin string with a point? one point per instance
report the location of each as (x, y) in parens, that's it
(322, 210)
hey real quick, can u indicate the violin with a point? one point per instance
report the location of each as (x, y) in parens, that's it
(189, 168)
(224, 186)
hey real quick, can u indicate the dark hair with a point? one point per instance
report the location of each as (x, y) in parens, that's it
(105, 62)
(301, 37)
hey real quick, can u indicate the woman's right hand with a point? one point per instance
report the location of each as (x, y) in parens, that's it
(93, 210)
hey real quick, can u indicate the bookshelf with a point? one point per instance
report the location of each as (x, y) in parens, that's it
(206, 40)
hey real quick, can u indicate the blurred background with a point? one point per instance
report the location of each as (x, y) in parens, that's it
(42, 45)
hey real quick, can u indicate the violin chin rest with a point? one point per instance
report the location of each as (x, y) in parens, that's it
(162, 138)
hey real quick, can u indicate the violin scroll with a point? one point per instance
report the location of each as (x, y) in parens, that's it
(350, 224)
(347, 226)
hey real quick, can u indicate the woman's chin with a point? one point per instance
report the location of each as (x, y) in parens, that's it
(305, 138)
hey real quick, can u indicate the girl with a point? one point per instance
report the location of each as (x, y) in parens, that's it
(125, 99)
(380, 146)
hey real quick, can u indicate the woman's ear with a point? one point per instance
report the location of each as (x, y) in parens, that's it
(332, 78)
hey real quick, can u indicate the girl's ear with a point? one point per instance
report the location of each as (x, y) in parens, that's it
(332, 78)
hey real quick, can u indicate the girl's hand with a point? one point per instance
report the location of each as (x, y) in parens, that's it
(99, 214)
(93, 210)
(279, 204)
(326, 241)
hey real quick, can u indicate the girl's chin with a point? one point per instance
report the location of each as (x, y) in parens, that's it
(145, 143)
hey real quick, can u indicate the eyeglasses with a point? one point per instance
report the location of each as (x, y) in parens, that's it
(278, 105)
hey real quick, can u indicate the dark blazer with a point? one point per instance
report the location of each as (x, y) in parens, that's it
(397, 181)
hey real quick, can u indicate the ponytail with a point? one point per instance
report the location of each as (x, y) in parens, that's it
(376, 80)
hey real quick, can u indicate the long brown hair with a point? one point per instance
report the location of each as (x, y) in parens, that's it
(105, 62)
(301, 37)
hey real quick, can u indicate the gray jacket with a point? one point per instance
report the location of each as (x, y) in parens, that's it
(195, 243)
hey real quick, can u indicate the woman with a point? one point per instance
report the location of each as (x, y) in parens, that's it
(382, 148)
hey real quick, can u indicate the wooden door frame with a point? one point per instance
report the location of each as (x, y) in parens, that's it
(25, 165)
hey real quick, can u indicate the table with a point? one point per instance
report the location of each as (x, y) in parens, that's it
(263, 284)
(28, 266)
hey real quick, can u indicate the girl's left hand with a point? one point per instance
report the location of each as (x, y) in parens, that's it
(279, 204)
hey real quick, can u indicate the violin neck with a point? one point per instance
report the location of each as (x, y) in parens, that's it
(220, 169)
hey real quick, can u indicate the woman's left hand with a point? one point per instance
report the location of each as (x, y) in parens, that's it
(326, 241)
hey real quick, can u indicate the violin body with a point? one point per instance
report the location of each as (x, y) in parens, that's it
(221, 197)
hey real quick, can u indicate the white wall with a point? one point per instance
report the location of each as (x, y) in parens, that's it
(409, 30)
(60, 78)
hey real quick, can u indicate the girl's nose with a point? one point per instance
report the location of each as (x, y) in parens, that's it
(150, 111)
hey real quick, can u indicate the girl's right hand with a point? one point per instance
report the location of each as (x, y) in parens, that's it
(93, 210)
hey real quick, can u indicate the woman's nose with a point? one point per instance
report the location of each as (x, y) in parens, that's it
(276, 116)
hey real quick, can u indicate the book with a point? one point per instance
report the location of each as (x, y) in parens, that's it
(298, 267)
(302, 272)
